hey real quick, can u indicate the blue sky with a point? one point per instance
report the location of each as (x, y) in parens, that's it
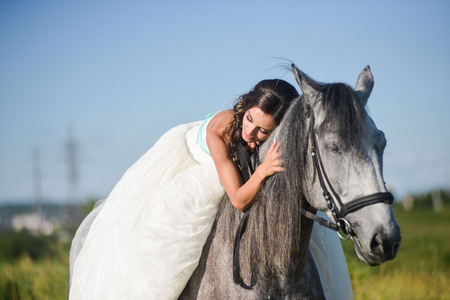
(118, 74)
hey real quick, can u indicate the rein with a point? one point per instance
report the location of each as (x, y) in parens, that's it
(248, 168)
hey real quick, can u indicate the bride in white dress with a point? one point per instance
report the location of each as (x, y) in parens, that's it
(145, 240)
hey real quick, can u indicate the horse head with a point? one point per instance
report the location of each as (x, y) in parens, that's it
(345, 167)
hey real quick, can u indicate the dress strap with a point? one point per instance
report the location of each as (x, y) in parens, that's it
(201, 137)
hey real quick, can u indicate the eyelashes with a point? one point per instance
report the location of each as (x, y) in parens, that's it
(250, 119)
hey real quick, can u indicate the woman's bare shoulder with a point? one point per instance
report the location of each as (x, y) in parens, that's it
(225, 115)
(220, 122)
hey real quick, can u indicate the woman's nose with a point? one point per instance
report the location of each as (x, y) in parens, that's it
(252, 130)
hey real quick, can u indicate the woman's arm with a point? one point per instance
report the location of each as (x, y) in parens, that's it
(241, 196)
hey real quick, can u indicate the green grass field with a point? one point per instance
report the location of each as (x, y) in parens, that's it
(420, 271)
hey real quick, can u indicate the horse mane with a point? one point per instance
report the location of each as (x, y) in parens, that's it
(274, 236)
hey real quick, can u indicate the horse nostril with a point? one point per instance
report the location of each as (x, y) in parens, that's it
(376, 245)
(384, 246)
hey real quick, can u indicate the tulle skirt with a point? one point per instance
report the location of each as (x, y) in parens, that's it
(147, 237)
(145, 240)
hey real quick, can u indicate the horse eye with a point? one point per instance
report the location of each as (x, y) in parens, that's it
(333, 148)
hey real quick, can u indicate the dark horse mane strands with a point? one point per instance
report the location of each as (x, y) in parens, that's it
(281, 193)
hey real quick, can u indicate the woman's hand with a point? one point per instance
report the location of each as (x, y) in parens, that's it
(272, 162)
(252, 145)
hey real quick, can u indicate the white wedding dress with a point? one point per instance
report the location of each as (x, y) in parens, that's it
(145, 240)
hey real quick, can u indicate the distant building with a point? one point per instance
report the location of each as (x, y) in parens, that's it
(32, 222)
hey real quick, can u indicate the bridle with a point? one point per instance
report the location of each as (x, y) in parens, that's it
(340, 211)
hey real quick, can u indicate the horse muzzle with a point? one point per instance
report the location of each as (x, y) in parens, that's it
(381, 247)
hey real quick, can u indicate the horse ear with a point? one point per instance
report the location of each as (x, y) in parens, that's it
(309, 87)
(364, 85)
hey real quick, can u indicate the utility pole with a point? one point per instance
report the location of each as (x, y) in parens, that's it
(37, 185)
(72, 163)
(73, 212)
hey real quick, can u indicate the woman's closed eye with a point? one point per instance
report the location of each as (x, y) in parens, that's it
(263, 131)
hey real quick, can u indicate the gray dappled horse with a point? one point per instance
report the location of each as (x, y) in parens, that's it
(332, 153)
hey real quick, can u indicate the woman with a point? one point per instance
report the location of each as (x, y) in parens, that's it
(251, 121)
(146, 239)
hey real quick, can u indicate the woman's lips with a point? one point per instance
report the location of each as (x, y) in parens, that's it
(247, 137)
